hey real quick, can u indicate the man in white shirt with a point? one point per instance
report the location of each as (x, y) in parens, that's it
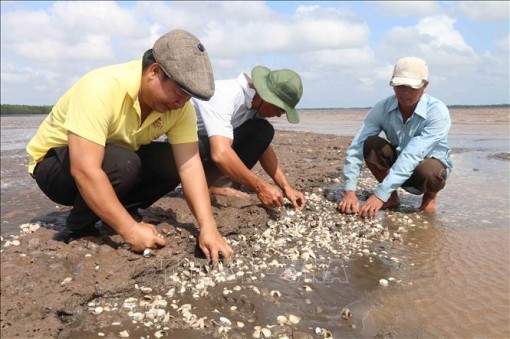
(234, 133)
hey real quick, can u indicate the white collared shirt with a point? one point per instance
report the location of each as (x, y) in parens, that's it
(228, 108)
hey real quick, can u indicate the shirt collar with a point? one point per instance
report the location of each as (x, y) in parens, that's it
(248, 91)
(421, 108)
(136, 79)
(133, 87)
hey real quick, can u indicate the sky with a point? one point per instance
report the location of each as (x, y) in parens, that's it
(344, 51)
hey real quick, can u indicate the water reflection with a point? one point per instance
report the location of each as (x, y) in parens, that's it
(455, 268)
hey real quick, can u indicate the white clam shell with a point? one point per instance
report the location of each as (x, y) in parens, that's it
(281, 319)
(294, 318)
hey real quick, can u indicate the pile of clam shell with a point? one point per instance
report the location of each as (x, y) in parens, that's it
(294, 246)
(299, 245)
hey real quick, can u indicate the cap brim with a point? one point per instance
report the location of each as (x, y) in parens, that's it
(196, 95)
(258, 76)
(411, 82)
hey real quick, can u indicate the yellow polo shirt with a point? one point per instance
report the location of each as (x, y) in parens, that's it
(103, 107)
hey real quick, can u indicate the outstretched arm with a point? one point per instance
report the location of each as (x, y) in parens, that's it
(197, 197)
(269, 163)
(86, 158)
(231, 165)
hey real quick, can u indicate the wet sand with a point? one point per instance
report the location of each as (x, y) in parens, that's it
(428, 261)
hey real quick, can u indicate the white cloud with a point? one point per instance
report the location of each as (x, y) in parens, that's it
(432, 38)
(402, 8)
(95, 18)
(344, 56)
(504, 44)
(485, 11)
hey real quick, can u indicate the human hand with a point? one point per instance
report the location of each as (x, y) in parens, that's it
(141, 236)
(270, 196)
(349, 203)
(371, 207)
(296, 198)
(212, 243)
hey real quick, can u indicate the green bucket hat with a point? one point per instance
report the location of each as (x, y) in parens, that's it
(282, 88)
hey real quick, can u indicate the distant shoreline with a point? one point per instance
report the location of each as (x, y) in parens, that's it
(366, 108)
(7, 109)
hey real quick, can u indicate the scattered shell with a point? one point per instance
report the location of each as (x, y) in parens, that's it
(124, 334)
(161, 303)
(383, 282)
(147, 252)
(225, 321)
(346, 313)
(200, 323)
(160, 334)
(66, 280)
(326, 334)
(262, 333)
(275, 293)
(97, 310)
(281, 319)
(319, 234)
(138, 316)
(145, 290)
(294, 319)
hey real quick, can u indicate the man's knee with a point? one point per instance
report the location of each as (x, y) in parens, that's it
(122, 166)
(373, 143)
(432, 174)
(266, 130)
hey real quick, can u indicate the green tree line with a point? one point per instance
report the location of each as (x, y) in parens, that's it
(24, 109)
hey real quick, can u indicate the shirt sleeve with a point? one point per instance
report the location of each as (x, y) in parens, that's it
(371, 125)
(88, 114)
(437, 125)
(185, 128)
(217, 118)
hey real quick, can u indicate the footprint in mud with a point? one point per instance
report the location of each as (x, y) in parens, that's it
(239, 307)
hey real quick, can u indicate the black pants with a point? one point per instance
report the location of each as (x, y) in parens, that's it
(251, 140)
(138, 178)
(428, 177)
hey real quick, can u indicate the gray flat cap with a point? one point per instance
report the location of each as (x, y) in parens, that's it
(184, 59)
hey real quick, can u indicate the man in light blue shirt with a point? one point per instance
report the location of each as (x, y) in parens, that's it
(414, 155)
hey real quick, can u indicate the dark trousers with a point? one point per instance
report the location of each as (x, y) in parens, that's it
(251, 140)
(138, 178)
(428, 177)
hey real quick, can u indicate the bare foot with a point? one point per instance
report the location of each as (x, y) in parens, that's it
(428, 203)
(227, 192)
(393, 201)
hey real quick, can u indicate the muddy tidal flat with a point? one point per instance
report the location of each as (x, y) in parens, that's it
(309, 274)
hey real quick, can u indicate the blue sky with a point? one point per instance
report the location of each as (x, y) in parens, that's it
(343, 50)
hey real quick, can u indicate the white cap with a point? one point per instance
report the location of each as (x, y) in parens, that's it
(410, 71)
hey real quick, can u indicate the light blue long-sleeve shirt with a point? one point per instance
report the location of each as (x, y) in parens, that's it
(424, 135)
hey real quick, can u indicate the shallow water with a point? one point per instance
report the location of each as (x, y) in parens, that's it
(455, 270)
(454, 266)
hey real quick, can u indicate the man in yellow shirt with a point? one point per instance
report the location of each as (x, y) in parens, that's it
(97, 149)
